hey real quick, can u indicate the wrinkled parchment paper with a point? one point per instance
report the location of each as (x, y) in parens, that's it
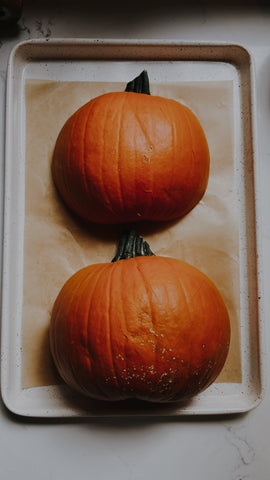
(56, 244)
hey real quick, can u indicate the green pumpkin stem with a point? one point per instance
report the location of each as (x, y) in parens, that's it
(132, 245)
(139, 84)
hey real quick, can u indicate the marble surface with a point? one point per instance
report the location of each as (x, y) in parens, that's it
(224, 447)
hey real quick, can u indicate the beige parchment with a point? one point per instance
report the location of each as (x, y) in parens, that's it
(56, 245)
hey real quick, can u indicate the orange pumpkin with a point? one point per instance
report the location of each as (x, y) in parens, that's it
(147, 327)
(129, 156)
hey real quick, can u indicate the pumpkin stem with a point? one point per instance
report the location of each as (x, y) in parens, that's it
(132, 245)
(139, 84)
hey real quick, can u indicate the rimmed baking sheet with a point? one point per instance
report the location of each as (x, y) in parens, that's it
(43, 245)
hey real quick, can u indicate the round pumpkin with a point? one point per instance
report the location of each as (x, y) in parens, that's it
(147, 327)
(129, 156)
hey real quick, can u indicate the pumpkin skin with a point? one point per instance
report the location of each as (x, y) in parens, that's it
(126, 157)
(152, 328)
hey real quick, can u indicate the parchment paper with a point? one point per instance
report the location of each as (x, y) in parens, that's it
(56, 244)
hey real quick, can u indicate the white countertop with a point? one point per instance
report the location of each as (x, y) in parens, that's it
(223, 447)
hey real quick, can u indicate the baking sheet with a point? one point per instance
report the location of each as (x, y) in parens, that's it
(217, 236)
